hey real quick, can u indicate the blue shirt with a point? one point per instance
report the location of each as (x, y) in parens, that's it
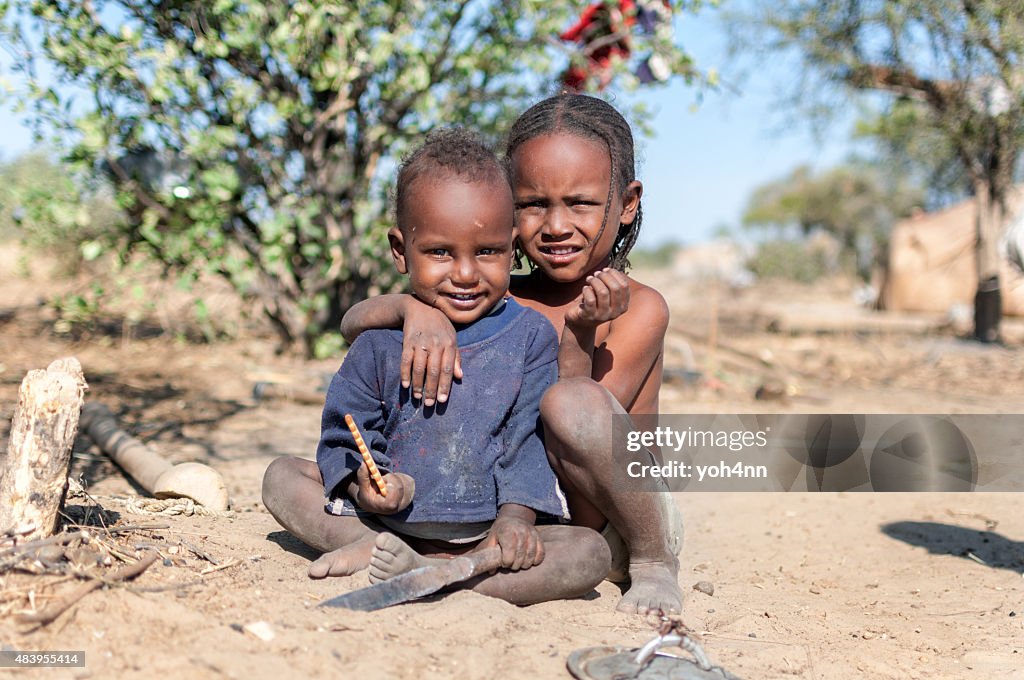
(480, 450)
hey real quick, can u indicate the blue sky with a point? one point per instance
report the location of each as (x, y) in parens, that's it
(701, 164)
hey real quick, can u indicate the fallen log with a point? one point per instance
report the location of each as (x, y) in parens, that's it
(34, 473)
(199, 482)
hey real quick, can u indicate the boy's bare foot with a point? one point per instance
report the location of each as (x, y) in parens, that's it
(653, 586)
(391, 556)
(343, 561)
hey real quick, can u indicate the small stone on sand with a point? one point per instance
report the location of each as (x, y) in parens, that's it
(261, 630)
(706, 587)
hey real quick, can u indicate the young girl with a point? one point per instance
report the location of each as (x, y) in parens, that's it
(577, 205)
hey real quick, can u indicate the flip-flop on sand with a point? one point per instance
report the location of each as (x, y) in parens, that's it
(646, 663)
(619, 663)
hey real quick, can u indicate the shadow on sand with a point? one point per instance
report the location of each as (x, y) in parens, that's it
(289, 543)
(992, 549)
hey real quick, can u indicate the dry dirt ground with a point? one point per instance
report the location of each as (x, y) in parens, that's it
(815, 586)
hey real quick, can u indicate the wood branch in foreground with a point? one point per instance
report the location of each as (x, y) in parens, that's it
(34, 473)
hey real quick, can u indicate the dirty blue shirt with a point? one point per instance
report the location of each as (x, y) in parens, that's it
(480, 450)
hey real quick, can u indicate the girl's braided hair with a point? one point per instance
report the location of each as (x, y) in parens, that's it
(590, 118)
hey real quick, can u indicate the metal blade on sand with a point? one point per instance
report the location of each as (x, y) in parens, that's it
(409, 586)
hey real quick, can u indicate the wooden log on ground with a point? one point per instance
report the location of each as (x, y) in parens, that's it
(34, 473)
(156, 475)
(300, 395)
(829, 319)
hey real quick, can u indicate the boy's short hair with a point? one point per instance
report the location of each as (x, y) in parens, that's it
(448, 153)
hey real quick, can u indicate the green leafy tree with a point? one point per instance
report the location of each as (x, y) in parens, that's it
(257, 140)
(788, 259)
(959, 60)
(910, 148)
(856, 204)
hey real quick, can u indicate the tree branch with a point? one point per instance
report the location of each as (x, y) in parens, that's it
(939, 94)
(399, 108)
(1005, 65)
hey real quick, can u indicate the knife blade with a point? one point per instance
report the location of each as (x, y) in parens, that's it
(418, 582)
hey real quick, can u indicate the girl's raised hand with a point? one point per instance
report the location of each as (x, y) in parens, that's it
(430, 355)
(605, 297)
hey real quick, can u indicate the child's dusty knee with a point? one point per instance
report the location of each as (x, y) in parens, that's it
(593, 556)
(594, 560)
(276, 478)
(598, 550)
(275, 470)
(573, 400)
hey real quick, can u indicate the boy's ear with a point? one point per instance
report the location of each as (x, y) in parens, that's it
(513, 256)
(397, 241)
(631, 201)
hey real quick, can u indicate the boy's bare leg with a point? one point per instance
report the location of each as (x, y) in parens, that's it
(575, 560)
(577, 415)
(293, 492)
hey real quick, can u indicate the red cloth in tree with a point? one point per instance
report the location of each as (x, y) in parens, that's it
(604, 34)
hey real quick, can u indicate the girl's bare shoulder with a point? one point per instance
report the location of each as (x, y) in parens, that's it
(646, 305)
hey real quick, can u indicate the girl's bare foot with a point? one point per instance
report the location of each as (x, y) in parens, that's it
(654, 586)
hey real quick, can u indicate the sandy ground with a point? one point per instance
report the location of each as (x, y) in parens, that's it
(816, 586)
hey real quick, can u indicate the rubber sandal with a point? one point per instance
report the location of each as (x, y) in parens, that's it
(646, 663)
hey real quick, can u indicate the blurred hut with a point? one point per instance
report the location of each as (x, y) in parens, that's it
(931, 264)
(721, 260)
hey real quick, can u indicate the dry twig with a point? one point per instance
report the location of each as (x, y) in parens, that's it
(32, 546)
(226, 565)
(55, 609)
(198, 552)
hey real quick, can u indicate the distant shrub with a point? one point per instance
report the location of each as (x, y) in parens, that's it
(48, 208)
(792, 260)
(654, 258)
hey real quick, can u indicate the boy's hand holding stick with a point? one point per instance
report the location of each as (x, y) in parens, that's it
(382, 497)
(365, 453)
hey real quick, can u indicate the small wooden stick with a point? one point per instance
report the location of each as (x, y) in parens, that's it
(32, 546)
(367, 458)
(55, 609)
(218, 567)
